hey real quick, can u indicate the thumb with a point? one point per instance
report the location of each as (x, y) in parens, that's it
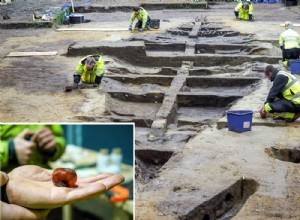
(3, 178)
(26, 133)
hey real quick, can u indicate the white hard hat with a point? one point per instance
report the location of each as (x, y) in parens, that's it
(288, 25)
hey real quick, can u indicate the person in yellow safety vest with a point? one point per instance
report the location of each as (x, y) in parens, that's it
(90, 70)
(30, 144)
(283, 100)
(143, 18)
(244, 10)
(289, 42)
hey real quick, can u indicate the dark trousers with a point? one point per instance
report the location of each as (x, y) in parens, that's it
(139, 24)
(283, 105)
(290, 54)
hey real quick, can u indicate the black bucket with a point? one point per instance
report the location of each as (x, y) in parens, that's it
(76, 19)
(155, 23)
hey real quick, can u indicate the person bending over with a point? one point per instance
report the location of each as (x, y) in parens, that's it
(89, 70)
(283, 100)
(143, 18)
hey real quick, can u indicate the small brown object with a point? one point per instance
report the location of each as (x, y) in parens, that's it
(64, 177)
(68, 88)
(262, 113)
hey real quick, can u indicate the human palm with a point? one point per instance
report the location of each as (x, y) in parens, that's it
(31, 186)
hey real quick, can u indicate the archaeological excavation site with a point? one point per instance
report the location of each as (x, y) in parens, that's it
(176, 83)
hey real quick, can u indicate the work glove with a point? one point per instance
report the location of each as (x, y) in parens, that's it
(76, 79)
(236, 13)
(98, 80)
(130, 28)
(141, 29)
(250, 17)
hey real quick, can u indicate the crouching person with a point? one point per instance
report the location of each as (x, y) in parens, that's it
(243, 10)
(90, 70)
(143, 18)
(283, 101)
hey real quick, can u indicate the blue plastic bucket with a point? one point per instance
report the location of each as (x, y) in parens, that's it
(239, 121)
(294, 66)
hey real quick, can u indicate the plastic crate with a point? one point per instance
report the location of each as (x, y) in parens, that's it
(239, 121)
(295, 66)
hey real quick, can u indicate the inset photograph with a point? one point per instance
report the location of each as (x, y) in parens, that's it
(67, 171)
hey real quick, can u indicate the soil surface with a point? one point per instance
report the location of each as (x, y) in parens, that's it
(34, 86)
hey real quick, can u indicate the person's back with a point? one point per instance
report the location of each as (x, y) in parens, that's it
(289, 39)
(139, 14)
(289, 42)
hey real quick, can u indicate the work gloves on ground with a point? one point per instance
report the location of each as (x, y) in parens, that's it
(141, 29)
(130, 28)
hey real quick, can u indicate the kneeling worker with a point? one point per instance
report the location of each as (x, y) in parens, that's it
(289, 42)
(90, 70)
(283, 101)
(143, 18)
(244, 10)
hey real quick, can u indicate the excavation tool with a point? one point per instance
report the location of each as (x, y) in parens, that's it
(118, 194)
(69, 88)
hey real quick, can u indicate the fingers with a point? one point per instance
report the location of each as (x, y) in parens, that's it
(88, 190)
(112, 181)
(85, 192)
(24, 149)
(48, 144)
(108, 180)
(3, 178)
(94, 178)
(45, 139)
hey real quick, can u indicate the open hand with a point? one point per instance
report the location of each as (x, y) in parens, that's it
(31, 187)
